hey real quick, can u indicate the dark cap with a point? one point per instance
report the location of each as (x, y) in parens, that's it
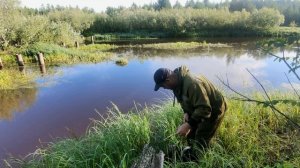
(160, 76)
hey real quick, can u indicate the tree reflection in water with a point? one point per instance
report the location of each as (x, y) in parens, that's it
(16, 100)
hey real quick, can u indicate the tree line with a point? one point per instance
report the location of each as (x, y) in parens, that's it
(21, 26)
(187, 20)
(289, 8)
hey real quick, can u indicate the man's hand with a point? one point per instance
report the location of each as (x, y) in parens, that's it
(185, 117)
(184, 129)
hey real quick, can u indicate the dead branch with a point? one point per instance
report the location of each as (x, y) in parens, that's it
(265, 103)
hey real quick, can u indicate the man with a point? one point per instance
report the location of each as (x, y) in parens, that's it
(203, 105)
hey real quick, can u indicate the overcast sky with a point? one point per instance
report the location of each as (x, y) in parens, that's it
(97, 5)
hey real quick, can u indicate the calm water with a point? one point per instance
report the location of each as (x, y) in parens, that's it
(29, 117)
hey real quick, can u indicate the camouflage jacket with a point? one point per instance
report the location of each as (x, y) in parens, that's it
(197, 97)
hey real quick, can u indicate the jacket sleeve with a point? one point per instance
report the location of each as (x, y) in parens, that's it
(200, 101)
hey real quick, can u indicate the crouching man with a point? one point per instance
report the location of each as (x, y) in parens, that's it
(203, 105)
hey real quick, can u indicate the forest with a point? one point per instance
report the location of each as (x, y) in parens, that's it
(22, 26)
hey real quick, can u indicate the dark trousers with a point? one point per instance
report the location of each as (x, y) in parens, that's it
(200, 136)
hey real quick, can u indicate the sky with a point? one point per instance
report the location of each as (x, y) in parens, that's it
(97, 5)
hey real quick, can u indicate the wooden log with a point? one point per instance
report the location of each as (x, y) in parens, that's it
(93, 40)
(43, 69)
(1, 64)
(20, 60)
(41, 58)
(76, 44)
(22, 69)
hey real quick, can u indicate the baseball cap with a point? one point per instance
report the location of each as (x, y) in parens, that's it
(160, 76)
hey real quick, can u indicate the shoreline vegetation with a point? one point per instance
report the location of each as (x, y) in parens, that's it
(276, 32)
(92, 53)
(250, 136)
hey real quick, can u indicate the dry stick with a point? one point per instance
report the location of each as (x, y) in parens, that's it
(292, 85)
(269, 99)
(256, 101)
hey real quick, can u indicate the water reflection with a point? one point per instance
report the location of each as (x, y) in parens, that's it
(16, 100)
(43, 69)
(231, 53)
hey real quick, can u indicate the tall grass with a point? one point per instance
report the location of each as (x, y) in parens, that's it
(55, 54)
(250, 136)
(182, 45)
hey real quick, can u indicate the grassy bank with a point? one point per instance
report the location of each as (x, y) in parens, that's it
(182, 45)
(272, 32)
(250, 136)
(55, 54)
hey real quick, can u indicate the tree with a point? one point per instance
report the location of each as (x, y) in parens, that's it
(266, 18)
(76, 17)
(10, 20)
(161, 4)
(238, 5)
(134, 6)
(190, 4)
(177, 5)
(199, 5)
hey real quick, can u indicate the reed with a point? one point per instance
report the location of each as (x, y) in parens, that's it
(250, 136)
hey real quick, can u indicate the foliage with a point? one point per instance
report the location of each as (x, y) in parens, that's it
(97, 47)
(289, 8)
(59, 27)
(122, 61)
(77, 18)
(55, 54)
(163, 4)
(180, 21)
(10, 20)
(266, 18)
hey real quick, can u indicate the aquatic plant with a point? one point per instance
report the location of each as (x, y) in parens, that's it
(122, 62)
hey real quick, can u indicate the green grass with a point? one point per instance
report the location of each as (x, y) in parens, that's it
(250, 136)
(285, 31)
(13, 79)
(182, 45)
(122, 61)
(54, 54)
(97, 47)
(131, 35)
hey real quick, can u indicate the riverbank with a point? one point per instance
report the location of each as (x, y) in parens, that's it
(213, 33)
(55, 54)
(11, 78)
(250, 136)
